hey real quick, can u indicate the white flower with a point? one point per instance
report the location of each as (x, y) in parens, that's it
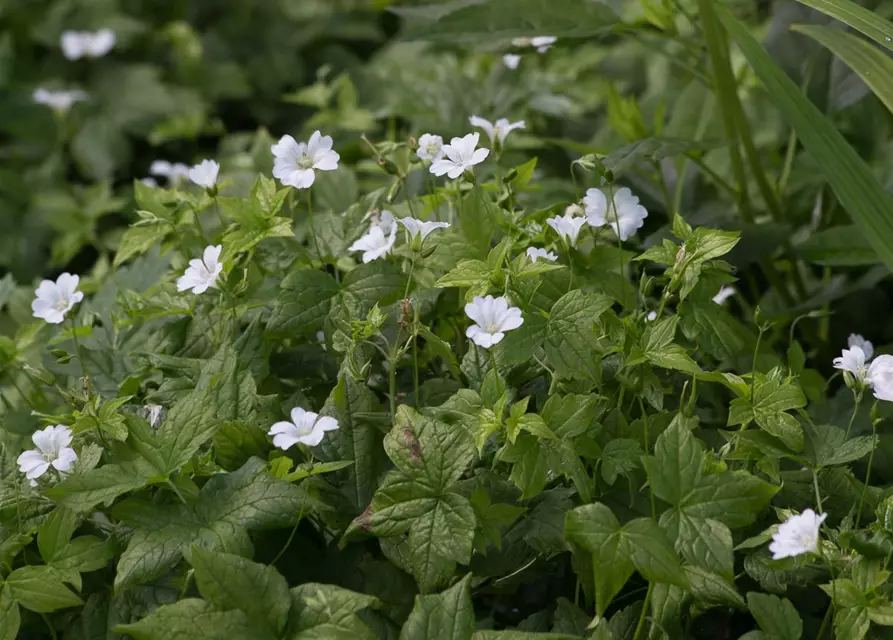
(430, 147)
(534, 253)
(202, 274)
(880, 377)
(296, 163)
(723, 294)
(625, 217)
(59, 100)
(375, 244)
(460, 155)
(651, 317)
(493, 317)
(542, 43)
(174, 172)
(497, 131)
(149, 182)
(852, 360)
(204, 174)
(385, 220)
(567, 227)
(55, 299)
(52, 450)
(856, 340)
(797, 535)
(421, 228)
(305, 427)
(511, 60)
(81, 44)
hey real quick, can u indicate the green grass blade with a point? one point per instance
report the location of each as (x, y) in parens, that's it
(863, 197)
(859, 18)
(873, 65)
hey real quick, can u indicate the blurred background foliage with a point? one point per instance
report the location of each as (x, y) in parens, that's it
(631, 80)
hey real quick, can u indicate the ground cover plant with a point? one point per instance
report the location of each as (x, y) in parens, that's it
(494, 319)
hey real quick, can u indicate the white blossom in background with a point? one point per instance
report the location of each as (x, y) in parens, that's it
(58, 100)
(567, 227)
(52, 450)
(202, 274)
(54, 299)
(880, 377)
(541, 43)
(624, 218)
(535, 253)
(853, 361)
(149, 182)
(385, 220)
(511, 60)
(419, 228)
(430, 147)
(497, 131)
(461, 155)
(723, 294)
(492, 317)
(305, 427)
(375, 244)
(651, 317)
(87, 44)
(204, 174)
(296, 163)
(797, 535)
(856, 340)
(173, 171)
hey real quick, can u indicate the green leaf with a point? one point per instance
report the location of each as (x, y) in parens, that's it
(734, 498)
(82, 492)
(378, 282)
(55, 532)
(776, 616)
(519, 346)
(702, 542)
(140, 239)
(530, 468)
(859, 18)
(572, 415)
(595, 529)
(232, 582)
(676, 466)
(826, 445)
(84, 554)
(861, 195)
(650, 150)
(572, 344)
(843, 246)
(771, 399)
(445, 616)
(10, 618)
(711, 589)
(304, 300)
(326, 611)
(851, 624)
(195, 619)
(653, 555)
(40, 588)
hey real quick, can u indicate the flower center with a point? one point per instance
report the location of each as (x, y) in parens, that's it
(305, 162)
(49, 456)
(432, 149)
(61, 305)
(492, 327)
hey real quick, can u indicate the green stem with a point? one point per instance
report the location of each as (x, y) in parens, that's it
(825, 622)
(857, 399)
(77, 348)
(49, 624)
(310, 221)
(647, 434)
(641, 624)
(867, 472)
(175, 490)
(291, 536)
(392, 382)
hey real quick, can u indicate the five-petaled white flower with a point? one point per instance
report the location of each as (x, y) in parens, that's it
(204, 174)
(421, 228)
(202, 274)
(55, 299)
(493, 317)
(535, 253)
(880, 377)
(624, 217)
(856, 340)
(58, 100)
(173, 171)
(305, 427)
(296, 163)
(52, 450)
(723, 294)
(497, 131)
(511, 60)
(430, 147)
(87, 44)
(375, 244)
(461, 155)
(567, 227)
(797, 535)
(853, 361)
